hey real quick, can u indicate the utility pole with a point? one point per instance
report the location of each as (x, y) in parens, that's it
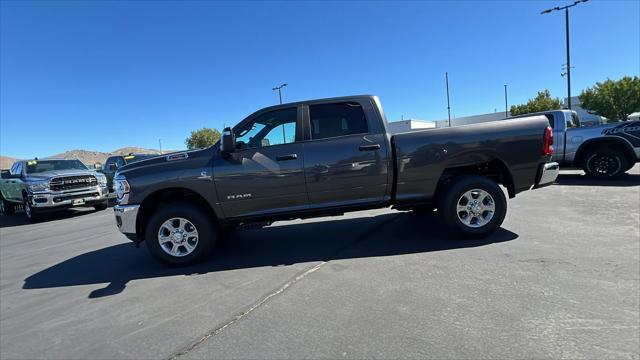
(566, 20)
(279, 88)
(160, 145)
(506, 113)
(446, 78)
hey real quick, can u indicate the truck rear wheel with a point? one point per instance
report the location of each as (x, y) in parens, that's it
(473, 206)
(604, 163)
(6, 208)
(180, 234)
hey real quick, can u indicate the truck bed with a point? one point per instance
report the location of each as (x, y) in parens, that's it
(422, 156)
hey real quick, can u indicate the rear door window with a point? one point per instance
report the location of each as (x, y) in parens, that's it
(336, 119)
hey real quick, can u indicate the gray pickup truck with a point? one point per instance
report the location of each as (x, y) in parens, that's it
(41, 186)
(602, 151)
(326, 157)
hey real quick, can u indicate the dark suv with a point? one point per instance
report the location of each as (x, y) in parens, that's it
(115, 162)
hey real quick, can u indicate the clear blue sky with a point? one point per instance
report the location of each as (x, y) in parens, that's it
(103, 75)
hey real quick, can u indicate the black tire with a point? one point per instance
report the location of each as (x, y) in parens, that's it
(448, 206)
(605, 163)
(31, 213)
(101, 206)
(198, 218)
(6, 207)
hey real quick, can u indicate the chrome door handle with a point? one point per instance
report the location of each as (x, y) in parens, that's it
(287, 157)
(369, 147)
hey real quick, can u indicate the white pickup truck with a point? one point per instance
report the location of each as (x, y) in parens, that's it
(603, 151)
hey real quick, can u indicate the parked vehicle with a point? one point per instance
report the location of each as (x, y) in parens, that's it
(327, 157)
(50, 184)
(602, 151)
(114, 162)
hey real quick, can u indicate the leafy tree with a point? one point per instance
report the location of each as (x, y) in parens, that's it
(542, 102)
(613, 99)
(203, 138)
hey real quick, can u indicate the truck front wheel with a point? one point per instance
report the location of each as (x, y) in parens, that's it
(180, 234)
(604, 163)
(473, 206)
(31, 213)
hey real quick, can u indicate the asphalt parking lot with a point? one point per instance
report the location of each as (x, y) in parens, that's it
(559, 280)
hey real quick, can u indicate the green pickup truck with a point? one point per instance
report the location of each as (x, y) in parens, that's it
(45, 185)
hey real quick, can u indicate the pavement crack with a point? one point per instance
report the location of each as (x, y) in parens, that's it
(246, 312)
(299, 276)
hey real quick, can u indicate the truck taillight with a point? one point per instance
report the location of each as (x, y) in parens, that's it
(547, 148)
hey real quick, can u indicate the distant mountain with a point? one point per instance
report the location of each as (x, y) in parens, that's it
(92, 157)
(89, 157)
(6, 162)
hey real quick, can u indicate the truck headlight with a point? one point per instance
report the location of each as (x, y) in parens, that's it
(38, 185)
(102, 180)
(120, 186)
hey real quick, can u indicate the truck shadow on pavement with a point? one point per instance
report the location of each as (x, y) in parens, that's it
(383, 235)
(20, 219)
(584, 180)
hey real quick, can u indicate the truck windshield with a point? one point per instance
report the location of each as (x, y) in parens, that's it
(38, 166)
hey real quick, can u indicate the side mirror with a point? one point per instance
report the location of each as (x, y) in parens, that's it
(228, 141)
(113, 167)
(97, 166)
(5, 174)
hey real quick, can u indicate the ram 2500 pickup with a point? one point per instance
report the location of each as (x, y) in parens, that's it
(603, 151)
(50, 184)
(327, 157)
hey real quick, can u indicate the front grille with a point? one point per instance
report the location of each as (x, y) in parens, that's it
(72, 182)
(57, 199)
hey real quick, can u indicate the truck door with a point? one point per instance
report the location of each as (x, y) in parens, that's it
(346, 154)
(14, 184)
(265, 174)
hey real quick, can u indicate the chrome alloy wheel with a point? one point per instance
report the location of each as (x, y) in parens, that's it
(178, 237)
(475, 208)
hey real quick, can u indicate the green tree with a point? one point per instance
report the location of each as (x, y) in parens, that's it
(203, 138)
(613, 99)
(542, 102)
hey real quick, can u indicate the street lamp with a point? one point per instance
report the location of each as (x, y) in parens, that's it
(566, 17)
(279, 88)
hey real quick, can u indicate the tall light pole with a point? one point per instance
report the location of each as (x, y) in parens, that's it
(566, 20)
(446, 79)
(279, 88)
(506, 113)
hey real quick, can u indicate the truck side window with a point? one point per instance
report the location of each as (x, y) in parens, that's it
(113, 160)
(575, 120)
(18, 169)
(336, 119)
(272, 128)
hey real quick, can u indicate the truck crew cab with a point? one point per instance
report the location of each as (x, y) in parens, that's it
(327, 157)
